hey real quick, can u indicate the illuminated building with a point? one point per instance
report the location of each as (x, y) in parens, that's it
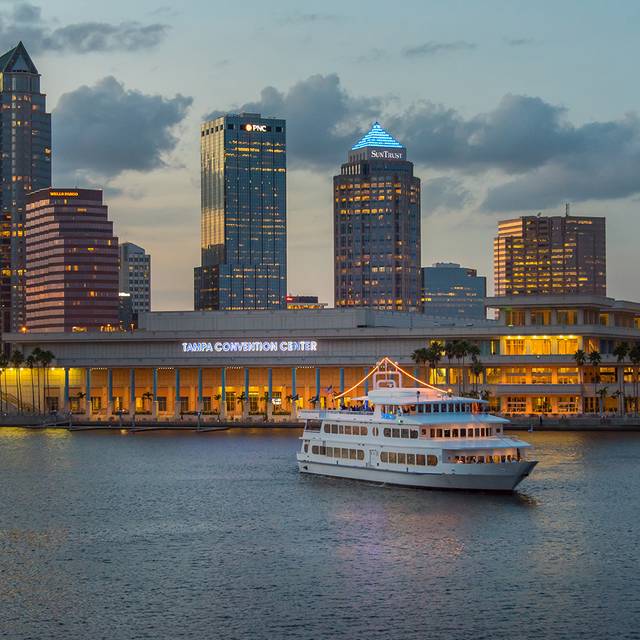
(135, 276)
(304, 302)
(25, 144)
(189, 361)
(244, 214)
(557, 255)
(452, 291)
(72, 262)
(377, 226)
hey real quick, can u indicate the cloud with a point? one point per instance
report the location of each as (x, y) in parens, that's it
(432, 48)
(106, 129)
(323, 120)
(443, 193)
(530, 144)
(25, 23)
(519, 42)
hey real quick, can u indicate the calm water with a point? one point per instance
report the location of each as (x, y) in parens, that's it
(217, 536)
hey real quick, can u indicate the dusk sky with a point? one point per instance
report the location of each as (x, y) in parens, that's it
(506, 108)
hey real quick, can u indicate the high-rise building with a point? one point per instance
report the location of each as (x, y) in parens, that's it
(535, 255)
(377, 226)
(244, 214)
(452, 291)
(25, 166)
(135, 276)
(72, 262)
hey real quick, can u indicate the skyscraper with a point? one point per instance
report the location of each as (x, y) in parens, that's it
(244, 214)
(25, 166)
(72, 262)
(452, 291)
(550, 255)
(135, 276)
(377, 226)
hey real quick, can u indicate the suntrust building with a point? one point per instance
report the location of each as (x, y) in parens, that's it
(277, 361)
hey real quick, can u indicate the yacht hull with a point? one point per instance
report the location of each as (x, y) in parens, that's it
(485, 477)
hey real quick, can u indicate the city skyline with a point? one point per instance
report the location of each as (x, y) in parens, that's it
(152, 186)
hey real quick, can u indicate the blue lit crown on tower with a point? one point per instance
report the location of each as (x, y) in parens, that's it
(377, 144)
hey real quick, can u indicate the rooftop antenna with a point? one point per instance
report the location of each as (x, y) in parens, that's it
(566, 209)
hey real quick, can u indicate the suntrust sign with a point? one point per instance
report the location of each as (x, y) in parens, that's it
(383, 154)
(270, 346)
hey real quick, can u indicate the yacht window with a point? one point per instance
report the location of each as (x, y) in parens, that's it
(420, 408)
(327, 428)
(323, 451)
(447, 433)
(432, 461)
(439, 432)
(456, 407)
(384, 456)
(334, 428)
(503, 458)
(454, 433)
(411, 458)
(489, 431)
(463, 433)
(341, 429)
(480, 459)
(396, 433)
(352, 454)
(427, 408)
(347, 429)
(424, 431)
(330, 452)
(467, 408)
(393, 457)
(306, 447)
(402, 458)
(345, 453)
(420, 459)
(387, 432)
(314, 449)
(444, 408)
(360, 454)
(375, 431)
(404, 433)
(433, 433)
(414, 434)
(436, 408)
(496, 458)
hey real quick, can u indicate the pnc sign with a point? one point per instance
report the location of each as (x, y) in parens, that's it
(259, 128)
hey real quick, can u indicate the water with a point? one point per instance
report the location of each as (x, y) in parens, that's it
(217, 536)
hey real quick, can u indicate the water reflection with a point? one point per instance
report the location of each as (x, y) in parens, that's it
(202, 535)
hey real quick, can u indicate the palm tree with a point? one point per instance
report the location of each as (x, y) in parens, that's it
(460, 351)
(30, 362)
(580, 357)
(434, 355)
(634, 356)
(4, 363)
(602, 394)
(17, 359)
(147, 395)
(594, 360)
(421, 356)
(217, 398)
(46, 358)
(449, 354)
(476, 369)
(621, 352)
(241, 399)
(80, 395)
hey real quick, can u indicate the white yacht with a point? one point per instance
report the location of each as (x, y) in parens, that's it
(414, 436)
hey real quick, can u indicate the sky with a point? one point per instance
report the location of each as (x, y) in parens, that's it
(505, 107)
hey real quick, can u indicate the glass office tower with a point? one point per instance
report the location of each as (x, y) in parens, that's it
(244, 214)
(377, 226)
(535, 255)
(452, 291)
(25, 166)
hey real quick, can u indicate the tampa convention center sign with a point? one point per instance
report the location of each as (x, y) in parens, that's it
(253, 346)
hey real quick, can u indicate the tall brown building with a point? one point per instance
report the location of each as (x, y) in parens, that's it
(377, 226)
(535, 255)
(72, 262)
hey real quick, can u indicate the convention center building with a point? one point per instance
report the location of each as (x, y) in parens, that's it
(271, 363)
